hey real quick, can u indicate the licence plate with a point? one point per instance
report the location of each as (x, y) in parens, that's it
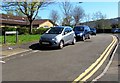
(45, 42)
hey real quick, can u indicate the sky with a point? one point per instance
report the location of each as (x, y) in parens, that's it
(110, 9)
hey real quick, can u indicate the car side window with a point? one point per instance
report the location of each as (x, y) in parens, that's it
(66, 30)
(70, 29)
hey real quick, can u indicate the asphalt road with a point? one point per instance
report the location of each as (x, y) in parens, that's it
(55, 64)
(113, 73)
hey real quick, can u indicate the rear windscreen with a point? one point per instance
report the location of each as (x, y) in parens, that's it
(80, 28)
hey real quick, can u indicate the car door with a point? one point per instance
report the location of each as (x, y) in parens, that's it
(71, 35)
(87, 31)
(66, 36)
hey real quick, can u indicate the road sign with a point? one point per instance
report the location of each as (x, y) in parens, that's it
(11, 32)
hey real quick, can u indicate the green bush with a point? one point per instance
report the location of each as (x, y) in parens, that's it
(39, 31)
(7, 29)
(23, 30)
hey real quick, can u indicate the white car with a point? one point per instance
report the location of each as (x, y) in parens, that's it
(58, 36)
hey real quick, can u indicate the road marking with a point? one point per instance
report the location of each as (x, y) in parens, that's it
(80, 77)
(99, 65)
(22, 55)
(108, 65)
(25, 54)
(2, 61)
(16, 53)
(36, 51)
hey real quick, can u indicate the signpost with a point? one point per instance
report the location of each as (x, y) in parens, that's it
(10, 32)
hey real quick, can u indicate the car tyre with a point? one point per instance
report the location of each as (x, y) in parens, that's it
(74, 41)
(88, 36)
(61, 44)
(83, 38)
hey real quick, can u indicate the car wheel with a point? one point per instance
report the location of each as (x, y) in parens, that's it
(88, 36)
(61, 44)
(74, 41)
(83, 38)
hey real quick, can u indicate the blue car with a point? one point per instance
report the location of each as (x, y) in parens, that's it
(82, 32)
(115, 30)
(93, 31)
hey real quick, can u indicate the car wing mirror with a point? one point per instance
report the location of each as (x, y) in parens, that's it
(86, 31)
(65, 33)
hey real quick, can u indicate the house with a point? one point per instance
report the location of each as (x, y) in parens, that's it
(10, 20)
(46, 23)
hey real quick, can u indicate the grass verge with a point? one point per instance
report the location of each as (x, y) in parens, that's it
(11, 39)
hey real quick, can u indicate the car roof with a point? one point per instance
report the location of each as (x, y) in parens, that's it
(62, 26)
(92, 28)
(81, 25)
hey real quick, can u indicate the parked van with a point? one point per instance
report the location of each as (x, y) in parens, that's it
(82, 32)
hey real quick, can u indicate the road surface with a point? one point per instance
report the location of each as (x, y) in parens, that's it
(56, 64)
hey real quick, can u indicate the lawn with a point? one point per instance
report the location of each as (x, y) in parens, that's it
(11, 40)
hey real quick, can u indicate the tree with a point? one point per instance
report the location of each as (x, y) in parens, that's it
(19, 13)
(87, 18)
(78, 14)
(54, 16)
(100, 20)
(10, 12)
(29, 9)
(38, 17)
(66, 9)
(67, 21)
(98, 15)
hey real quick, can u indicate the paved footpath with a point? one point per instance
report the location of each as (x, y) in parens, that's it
(12, 50)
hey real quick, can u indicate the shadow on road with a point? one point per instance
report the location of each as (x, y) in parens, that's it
(36, 46)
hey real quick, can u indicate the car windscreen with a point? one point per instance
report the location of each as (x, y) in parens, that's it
(55, 30)
(92, 29)
(78, 28)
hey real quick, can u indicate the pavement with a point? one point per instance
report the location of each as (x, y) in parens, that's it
(7, 51)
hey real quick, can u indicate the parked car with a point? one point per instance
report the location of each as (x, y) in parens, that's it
(82, 32)
(93, 31)
(58, 36)
(115, 30)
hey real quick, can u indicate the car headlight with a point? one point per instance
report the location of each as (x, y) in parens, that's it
(81, 34)
(54, 39)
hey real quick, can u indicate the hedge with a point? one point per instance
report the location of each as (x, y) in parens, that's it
(24, 30)
(39, 31)
(104, 31)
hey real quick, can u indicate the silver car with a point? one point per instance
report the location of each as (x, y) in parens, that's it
(58, 36)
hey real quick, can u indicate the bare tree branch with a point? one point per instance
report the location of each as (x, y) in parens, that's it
(54, 16)
(66, 9)
(30, 9)
(78, 14)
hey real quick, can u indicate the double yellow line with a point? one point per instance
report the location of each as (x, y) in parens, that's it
(97, 64)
